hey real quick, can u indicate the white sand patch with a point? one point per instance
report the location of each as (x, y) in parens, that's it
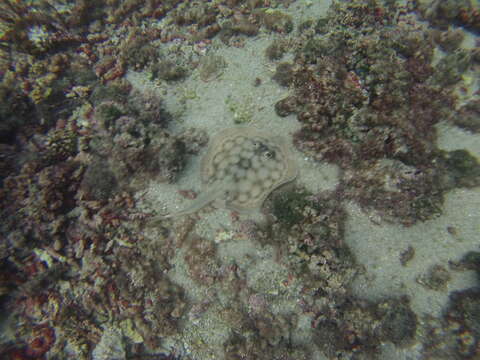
(378, 248)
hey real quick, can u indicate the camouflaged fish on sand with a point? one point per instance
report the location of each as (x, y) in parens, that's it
(241, 168)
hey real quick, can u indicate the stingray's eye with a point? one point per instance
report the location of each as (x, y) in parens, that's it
(256, 144)
(268, 154)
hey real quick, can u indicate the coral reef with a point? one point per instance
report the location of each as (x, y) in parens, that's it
(86, 269)
(133, 132)
(277, 21)
(468, 115)
(70, 224)
(284, 74)
(443, 13)
(381, 129)
(276, 50)
(396, 323)
(456, 335)
(204, 272)
(449, 40)
(35, 27)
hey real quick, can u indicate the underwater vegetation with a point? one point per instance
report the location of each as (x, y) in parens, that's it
(381, 130)
(85, 265)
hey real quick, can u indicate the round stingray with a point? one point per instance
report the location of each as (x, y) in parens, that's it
(249, 164)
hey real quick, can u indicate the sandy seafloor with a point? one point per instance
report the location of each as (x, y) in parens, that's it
(376, 245)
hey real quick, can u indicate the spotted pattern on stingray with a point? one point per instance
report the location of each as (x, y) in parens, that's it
(241, 168)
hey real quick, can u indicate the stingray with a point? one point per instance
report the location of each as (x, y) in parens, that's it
(241, 168)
